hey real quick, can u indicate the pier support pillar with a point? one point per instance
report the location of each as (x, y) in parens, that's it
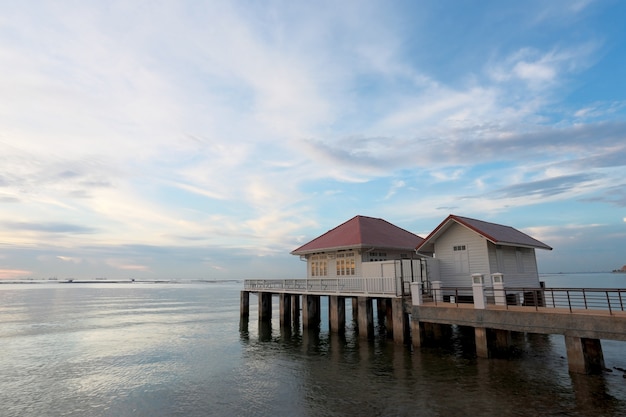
(400, 320)
(295, 309)
(584, 356)
(482, 347)
(381, 309)
(366, 317)
(337, 313)
(416, 333)
(502, 341)
(265, 306)
(434, 332)
(284, 309)
(355, 309)
(310, 310)
(244, 309)
(388, 315)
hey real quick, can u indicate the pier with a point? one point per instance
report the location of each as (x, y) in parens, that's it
(582, 316)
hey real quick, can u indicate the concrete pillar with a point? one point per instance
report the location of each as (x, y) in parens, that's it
(584, 356)
(310, 310)
(381, 309)
(389, 326)
(295, 309)
(502, 341)
(366, 317)
(498, 289)
(337, 313)
(244, 308)
(478, 288)
(400, 318)
(437, 293)
(355, 309)
(482, 347)
(433, 332)
(417, 335)
(265, 306)
(417, 298)
(284, 308)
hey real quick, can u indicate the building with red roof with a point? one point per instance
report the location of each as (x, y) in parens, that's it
(362, 246)
(371, 247)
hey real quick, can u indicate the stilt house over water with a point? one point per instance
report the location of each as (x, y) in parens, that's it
(365, 247)
(372, 248)
(465, 246)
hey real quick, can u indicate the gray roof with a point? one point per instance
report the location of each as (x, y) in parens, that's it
(495, 233)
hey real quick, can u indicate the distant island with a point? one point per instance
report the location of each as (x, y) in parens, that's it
(622, 269)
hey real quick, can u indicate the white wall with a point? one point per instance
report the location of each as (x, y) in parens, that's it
(519, 265)
(477, 259)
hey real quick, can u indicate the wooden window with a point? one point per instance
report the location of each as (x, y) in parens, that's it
(319, 266)
(461, 259)
(345, 264)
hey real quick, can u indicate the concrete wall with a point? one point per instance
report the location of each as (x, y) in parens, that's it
(573, 325)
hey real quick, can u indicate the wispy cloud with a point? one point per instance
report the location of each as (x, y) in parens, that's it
(250, 127)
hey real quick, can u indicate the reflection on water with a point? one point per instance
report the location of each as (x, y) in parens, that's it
(182, 350)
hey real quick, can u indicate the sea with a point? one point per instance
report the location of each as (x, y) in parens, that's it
(180, 349)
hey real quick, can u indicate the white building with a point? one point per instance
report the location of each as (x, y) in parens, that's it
(465, 246)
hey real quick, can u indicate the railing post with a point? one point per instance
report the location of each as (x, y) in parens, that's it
(437, 294)
(608, 301)
(478, 288)
(498, 289)
(569, 302)
(416, 294)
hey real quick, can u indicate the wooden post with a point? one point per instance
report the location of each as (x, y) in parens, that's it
(355, 309)
(337, 313)
(265, 306)
(244, 309)
(366, 317)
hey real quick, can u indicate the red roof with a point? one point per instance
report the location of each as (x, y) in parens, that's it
(362, 232)
(495, 233)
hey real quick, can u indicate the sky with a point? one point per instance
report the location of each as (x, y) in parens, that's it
(208, 139)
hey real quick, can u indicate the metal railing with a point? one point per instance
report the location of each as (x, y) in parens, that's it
(343, 286)
(610, 300)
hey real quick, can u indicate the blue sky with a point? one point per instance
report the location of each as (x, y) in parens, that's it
(200, 139)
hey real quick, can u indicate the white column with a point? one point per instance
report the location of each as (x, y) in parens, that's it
(437, 294)
(416, 293)
(498, 289)
(478, 287)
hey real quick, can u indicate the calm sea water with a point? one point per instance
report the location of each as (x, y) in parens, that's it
(180, 350)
